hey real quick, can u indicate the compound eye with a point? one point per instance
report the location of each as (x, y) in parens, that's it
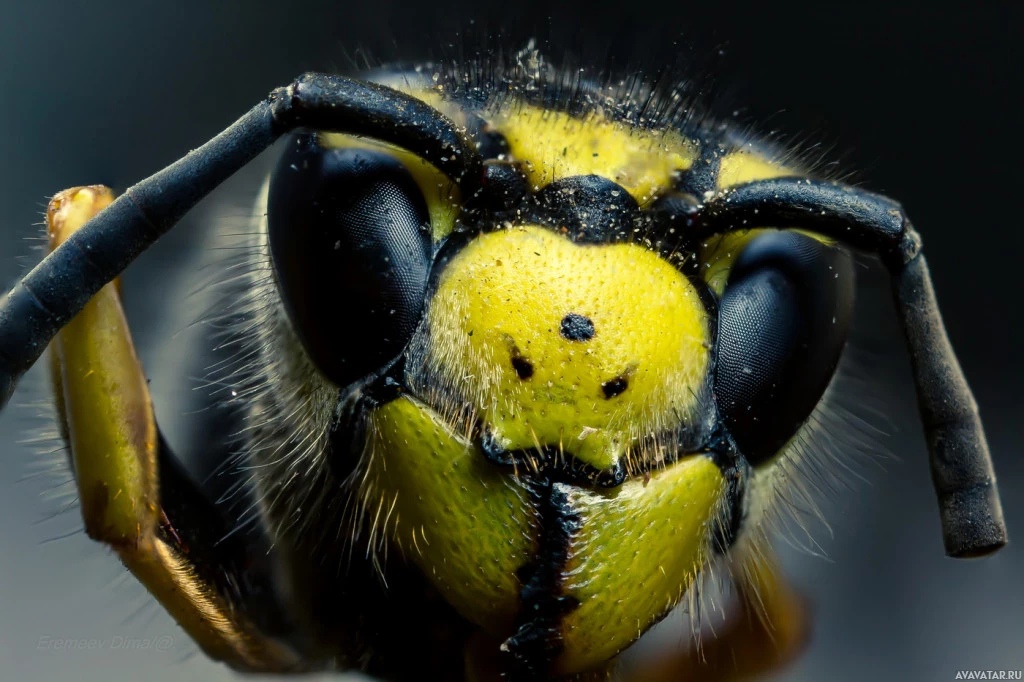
(782, 324)
(350, 243)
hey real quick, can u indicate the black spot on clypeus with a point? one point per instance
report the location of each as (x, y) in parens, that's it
(522, 366)
(577, 327)
(614, 387)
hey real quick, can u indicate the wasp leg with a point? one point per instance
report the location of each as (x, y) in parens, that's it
(121, 468)
(767, 629)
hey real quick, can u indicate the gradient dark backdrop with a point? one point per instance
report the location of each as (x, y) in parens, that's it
(924, 104)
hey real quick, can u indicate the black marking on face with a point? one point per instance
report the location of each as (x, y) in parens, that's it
(616, 385)
(522, 366)
(548, 461)
(493, 450)
(504, 196)
(721, 448)
(348, 432)
(577, 327)
(702, 176)
(589, 209)
(492, 144)
(537, 641)
(489, 141)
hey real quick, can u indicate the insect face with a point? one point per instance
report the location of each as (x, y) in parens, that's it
(557, 416)
(522, 358)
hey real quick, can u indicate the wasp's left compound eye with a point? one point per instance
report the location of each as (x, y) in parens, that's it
(782, 324)
(350, 242)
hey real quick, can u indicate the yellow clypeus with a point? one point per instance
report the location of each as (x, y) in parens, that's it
(497, 342)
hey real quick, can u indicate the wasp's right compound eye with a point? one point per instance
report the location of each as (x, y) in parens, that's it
(350, 243)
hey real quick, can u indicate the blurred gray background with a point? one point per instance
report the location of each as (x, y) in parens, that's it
(925, 104)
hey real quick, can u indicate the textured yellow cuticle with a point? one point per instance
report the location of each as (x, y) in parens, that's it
(466, 523)
(745, 165)
(636, 554)
(549, 145)
(497, 342)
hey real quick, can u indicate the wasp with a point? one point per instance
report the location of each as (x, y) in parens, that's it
(525, 357)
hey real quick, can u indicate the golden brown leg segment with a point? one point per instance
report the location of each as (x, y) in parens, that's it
(767, 630)
(107, 419)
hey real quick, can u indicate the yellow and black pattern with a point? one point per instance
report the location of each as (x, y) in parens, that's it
(540, 450)
(519, 356)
